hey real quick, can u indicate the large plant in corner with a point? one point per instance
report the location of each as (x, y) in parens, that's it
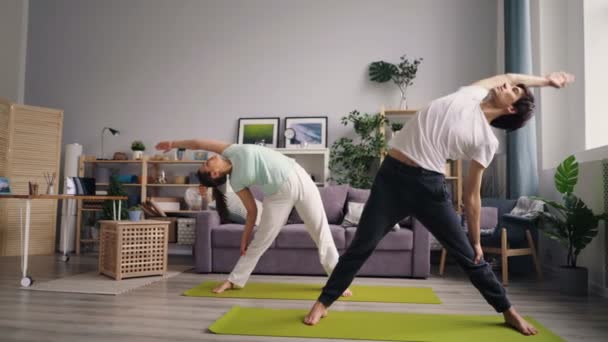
(353, 162)
(572, 224)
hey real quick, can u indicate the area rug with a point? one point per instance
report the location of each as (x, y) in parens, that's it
(362, 293)
(95, 283)
(380, 326)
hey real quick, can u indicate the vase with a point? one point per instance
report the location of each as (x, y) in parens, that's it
(137, 155)
(135, 215)
(403, 101)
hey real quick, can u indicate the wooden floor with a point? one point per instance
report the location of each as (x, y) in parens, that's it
(159, 313)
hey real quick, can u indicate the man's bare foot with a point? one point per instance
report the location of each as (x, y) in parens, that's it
(317, 312)
(347, 293)
(223, 287)
(513, 319)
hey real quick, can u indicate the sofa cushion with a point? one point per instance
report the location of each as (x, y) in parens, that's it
(357, 195)
(296, 236)
(229, 235)
(353, 215)
(361, 196)
(400, 240)
(333, 198)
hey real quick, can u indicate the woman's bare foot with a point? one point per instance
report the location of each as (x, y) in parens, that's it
(223, 287)
(347, 293)
(514, 320)
(317, 312)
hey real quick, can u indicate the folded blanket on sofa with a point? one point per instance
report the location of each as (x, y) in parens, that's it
(526, 207)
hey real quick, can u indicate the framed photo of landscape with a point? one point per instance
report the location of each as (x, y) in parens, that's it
(5, 186)
(260, 131)
(306, 132)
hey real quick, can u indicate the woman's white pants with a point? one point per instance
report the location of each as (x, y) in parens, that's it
(298, 191)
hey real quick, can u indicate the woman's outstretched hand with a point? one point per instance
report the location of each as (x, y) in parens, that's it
(164, 146)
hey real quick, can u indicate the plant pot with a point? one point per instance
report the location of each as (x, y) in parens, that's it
(135, 215)
(137, 155)
(572, 281)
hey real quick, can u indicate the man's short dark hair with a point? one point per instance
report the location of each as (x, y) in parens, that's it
(524, 109)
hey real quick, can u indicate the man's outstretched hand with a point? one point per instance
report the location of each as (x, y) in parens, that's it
(560, 79)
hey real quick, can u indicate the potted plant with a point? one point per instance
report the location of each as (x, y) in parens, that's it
(402, 74)
(395, 127)
(135, 213)
(572, 224)
(138, 149)
(355, 162)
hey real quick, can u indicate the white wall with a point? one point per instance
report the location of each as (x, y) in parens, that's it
(179, 69)
(13, 33)
(559, 39)
(596, 70)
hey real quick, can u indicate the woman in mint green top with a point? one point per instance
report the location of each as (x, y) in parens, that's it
(285, 185)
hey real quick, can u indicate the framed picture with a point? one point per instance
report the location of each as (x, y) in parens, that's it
(261, 131)
(306, 132)
(5, 186)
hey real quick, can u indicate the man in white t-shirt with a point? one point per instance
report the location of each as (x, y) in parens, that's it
(411, 182)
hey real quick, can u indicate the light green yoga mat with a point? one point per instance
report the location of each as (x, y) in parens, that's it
(361, 293)
(380, 326)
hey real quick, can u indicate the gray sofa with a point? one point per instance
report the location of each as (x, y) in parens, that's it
(402, 253)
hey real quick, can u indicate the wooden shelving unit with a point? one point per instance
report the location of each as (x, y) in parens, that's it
(144, 168)
(314, 160)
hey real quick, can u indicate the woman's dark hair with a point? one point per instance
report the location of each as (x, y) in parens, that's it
(524, 107)
(220, 199)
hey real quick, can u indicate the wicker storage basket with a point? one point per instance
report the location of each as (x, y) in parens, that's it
(185, 231)
(133, 248)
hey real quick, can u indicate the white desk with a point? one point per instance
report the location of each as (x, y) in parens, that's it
(26, 280)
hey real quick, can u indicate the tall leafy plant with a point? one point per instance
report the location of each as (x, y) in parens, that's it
(571, 223)
(352, 161)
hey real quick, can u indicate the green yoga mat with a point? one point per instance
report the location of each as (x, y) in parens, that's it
(380, 326)
(362, 293)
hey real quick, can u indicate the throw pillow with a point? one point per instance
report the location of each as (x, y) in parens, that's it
(333, 198)
(353, 215)
(361, 196)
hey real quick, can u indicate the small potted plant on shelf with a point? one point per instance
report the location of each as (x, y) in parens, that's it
(138, 149)
(135, 213)
(402, 74)
(395, 127)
